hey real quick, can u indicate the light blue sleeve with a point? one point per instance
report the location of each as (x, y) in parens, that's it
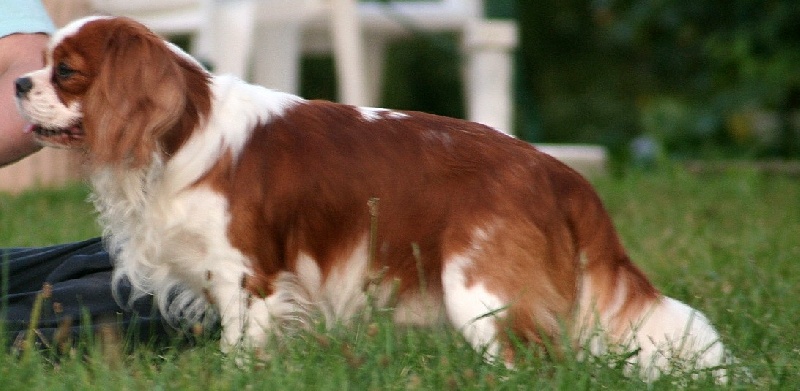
(24, 16)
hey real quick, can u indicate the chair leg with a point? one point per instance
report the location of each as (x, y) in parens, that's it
(276, 62)
(348, 51)
(488, 73)
(374, 65)
(231, 36)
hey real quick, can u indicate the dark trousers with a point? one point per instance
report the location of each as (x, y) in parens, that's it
(78, 276)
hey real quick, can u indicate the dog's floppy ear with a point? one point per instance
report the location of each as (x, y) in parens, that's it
(136, 98)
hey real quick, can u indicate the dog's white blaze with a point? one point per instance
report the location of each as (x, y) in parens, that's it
(71, 29)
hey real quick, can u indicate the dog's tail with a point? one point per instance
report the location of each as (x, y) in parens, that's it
(620, 312)
(619, 309)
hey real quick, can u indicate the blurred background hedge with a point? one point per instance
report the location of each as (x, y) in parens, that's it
(646, 78)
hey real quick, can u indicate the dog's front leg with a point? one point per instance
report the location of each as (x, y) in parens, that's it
(248, 320)
(245, 318)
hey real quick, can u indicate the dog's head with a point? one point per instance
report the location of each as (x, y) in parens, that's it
(113, 87)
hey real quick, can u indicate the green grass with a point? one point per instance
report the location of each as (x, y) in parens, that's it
(43, 217)
(728, 244)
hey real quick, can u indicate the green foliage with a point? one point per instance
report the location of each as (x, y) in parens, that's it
(721, 75)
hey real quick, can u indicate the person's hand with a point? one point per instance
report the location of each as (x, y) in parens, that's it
(19, 54)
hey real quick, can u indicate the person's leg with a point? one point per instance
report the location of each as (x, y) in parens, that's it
(78, 276)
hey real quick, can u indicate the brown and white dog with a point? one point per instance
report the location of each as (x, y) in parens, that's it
(269, 208)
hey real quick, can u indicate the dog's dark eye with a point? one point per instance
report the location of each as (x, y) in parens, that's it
(63, 71)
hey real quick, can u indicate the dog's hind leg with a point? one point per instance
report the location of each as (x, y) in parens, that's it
(471, 308)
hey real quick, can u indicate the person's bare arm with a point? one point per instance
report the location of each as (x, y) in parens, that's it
(19, 54)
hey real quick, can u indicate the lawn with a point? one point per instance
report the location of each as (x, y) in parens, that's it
(728, 244)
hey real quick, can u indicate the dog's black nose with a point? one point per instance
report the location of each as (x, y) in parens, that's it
(23, 85)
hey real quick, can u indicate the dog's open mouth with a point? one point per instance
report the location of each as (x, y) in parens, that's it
(67, 136)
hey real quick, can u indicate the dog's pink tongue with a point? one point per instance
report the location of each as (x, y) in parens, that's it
(28, 128)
